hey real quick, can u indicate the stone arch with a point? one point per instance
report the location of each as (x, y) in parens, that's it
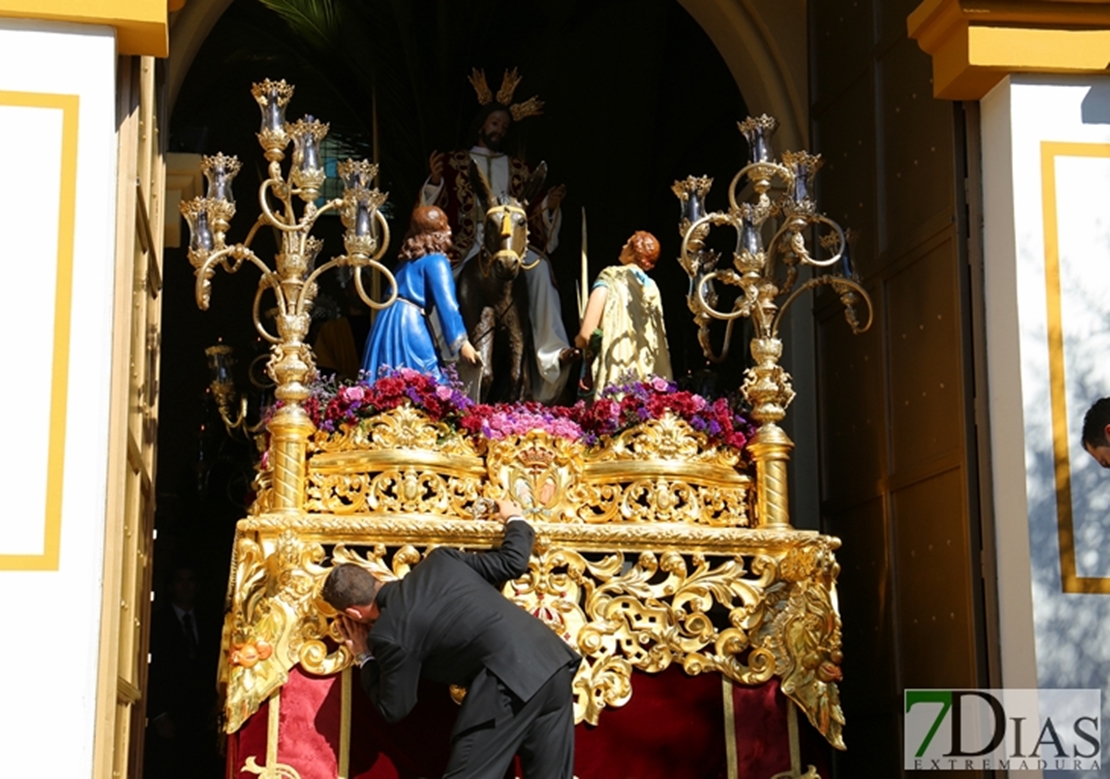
(188, 30)
(762, 42)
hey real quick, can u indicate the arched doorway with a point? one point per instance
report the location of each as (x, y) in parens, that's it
(654, 101)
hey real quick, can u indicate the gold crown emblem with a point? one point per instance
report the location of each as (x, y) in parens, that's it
(533, 106)
(534, 457)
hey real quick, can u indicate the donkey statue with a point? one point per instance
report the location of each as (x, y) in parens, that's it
(493, 297)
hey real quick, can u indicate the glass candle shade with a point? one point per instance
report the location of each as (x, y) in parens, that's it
(693, 208)
(307, 134)
(749, 238)
(272, 98)
(200, 234)
(364, 218)
(358, 174)
(220, 170)
(757, 131)
(220, 359)
(803, 168)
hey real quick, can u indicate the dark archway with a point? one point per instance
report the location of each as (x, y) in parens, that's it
(636, 95)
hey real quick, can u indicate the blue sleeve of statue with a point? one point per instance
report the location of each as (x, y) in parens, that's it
(441, 289)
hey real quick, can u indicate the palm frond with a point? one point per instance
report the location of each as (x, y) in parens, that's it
(317, 22)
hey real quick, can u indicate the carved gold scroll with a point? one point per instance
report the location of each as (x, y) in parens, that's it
(647, 554)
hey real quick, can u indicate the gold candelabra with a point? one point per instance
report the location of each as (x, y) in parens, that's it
(293, 277)
(767, 277)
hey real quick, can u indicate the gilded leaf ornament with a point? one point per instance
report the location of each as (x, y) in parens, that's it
(646, 555)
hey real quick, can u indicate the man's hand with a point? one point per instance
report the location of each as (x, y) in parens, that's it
(354, 634)
(469, 353)
(554, 196)
(435, 168)
(506, 509)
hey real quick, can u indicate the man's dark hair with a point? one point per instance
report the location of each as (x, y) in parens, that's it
(349, 585)
(481, 117)
(1094, 424)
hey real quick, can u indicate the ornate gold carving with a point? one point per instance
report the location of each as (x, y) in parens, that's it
(667, 438)
(644, 555)
(399, 462)
(747, 603)
(538, 471)
(402, 428)
(272, 605)
(806, 639)
(664, 471)
(645, 614)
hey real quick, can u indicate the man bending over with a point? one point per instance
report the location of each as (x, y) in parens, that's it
(448, 621)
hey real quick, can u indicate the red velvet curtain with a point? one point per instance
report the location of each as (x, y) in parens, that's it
(674, 727)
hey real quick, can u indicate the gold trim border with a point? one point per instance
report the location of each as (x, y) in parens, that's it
(974, 44)
(1070, 580)
(63, 300)
(344, 763)
(732, 761)
(142, 26)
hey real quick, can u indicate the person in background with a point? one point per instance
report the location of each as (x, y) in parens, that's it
(181, 737)
(1096, 431)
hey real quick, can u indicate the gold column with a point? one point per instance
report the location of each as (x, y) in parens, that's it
(770, 448)
(767, 387)
(289, 431)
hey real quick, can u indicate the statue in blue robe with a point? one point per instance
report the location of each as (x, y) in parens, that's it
(402, 335)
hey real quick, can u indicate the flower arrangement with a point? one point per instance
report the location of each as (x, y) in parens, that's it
(617, 408)
(621, 407)
(504, 419)
(332, 404)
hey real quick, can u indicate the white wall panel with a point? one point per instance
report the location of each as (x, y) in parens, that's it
(59, 261)
(1046, 167)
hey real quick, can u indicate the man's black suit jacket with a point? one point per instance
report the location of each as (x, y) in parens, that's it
(448, 621)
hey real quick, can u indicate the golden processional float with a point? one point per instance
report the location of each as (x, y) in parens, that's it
(656, 546)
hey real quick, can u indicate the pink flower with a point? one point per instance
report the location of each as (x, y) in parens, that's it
(659, 384)
(354, 394)
(443, 392)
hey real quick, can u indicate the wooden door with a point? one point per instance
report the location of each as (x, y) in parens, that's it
(134, 423)
(898, 446)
